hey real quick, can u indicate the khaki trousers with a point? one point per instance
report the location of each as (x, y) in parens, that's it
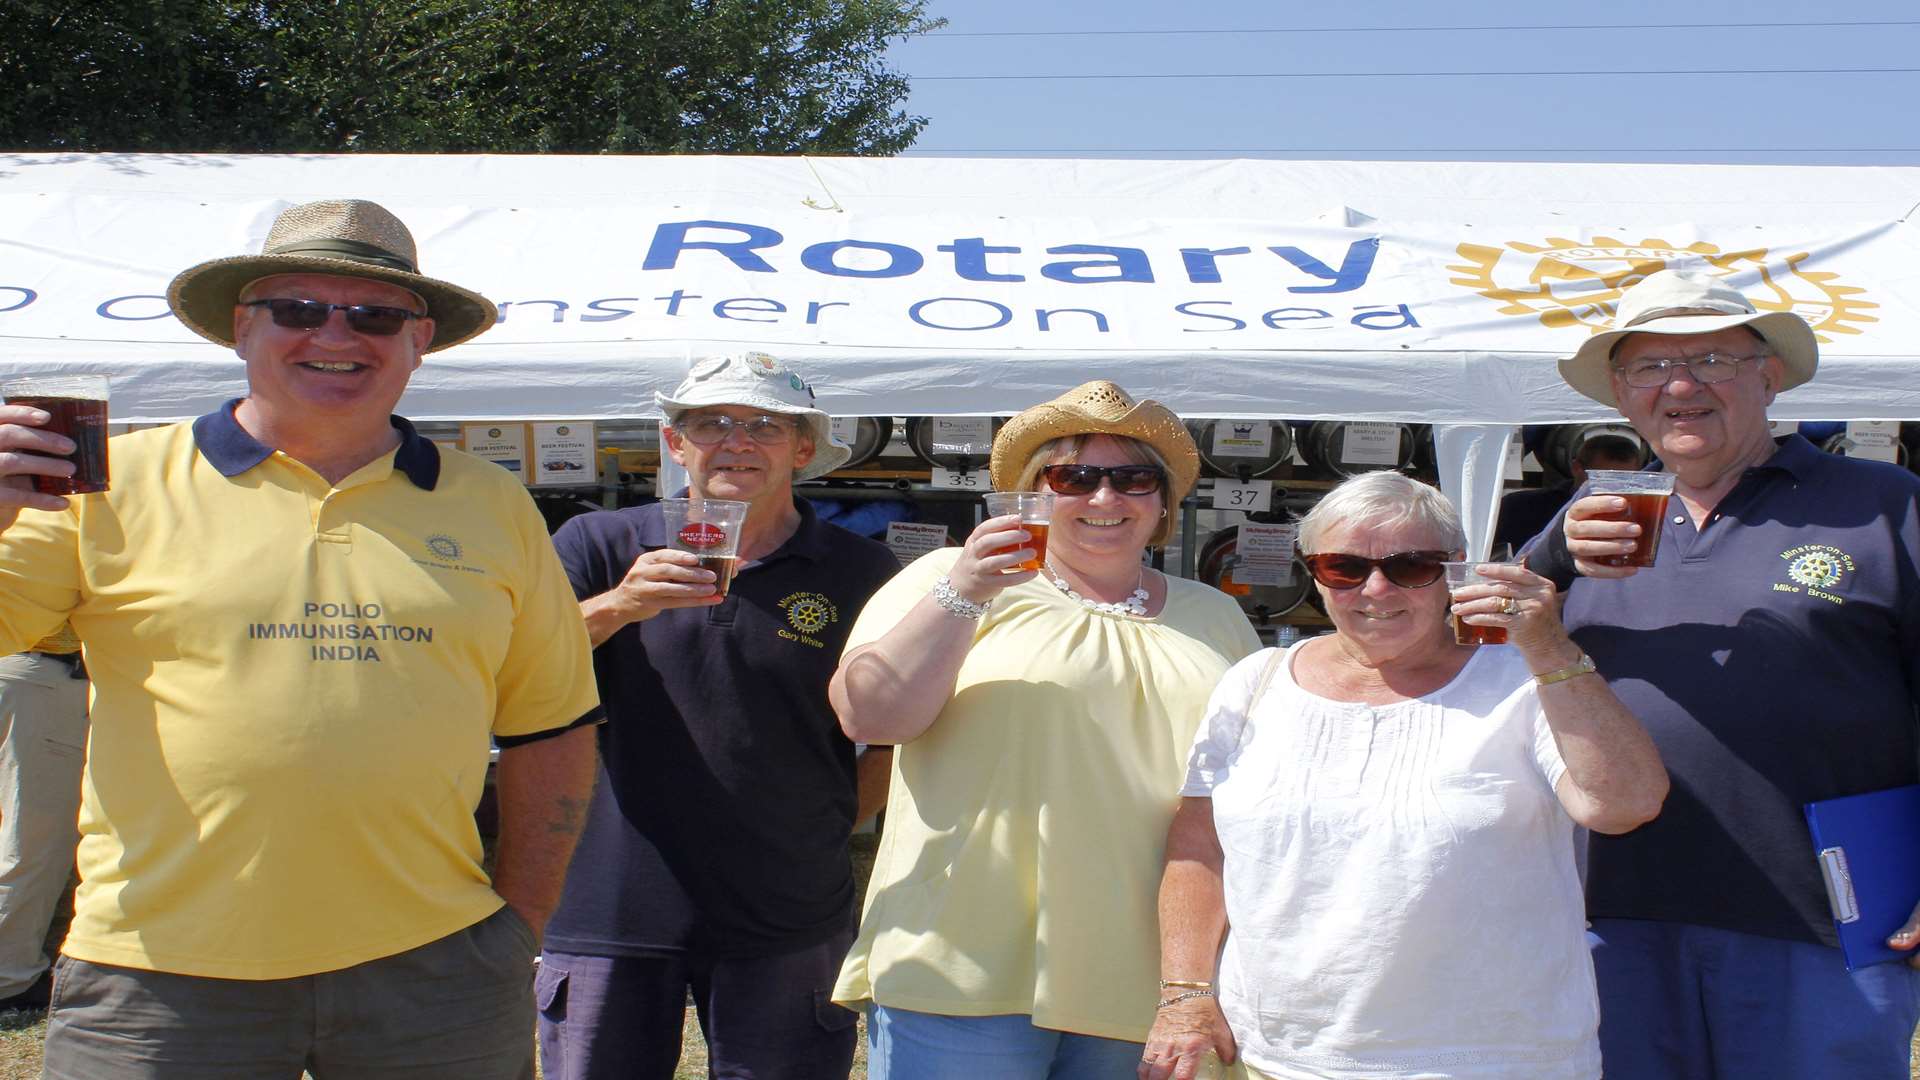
(43, 741)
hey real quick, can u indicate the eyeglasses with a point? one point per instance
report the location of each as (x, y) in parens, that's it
(1407, 569)
(375, 319)
(1711, 368)
(713, 428)
(1085, 479)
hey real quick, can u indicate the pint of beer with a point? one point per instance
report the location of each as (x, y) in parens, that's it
(78, 405)
(709, 529)
(1646, 494)
(1035, 509)
(1459, 575)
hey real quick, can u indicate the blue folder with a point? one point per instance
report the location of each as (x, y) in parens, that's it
(1869, 852)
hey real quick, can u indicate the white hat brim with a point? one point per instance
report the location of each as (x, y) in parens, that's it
(1787, 334)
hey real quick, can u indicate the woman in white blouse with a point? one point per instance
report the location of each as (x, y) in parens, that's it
(1373, 860)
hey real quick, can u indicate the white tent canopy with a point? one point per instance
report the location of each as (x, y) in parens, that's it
(1386, 290)
(1405, 291)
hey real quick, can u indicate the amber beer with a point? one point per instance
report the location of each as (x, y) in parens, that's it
(1647, 511)
(1035, 509)
(1645, 494)
(1465, 633)
(78, 407)
(1468, 634)
(1038, 545)
(722, 567)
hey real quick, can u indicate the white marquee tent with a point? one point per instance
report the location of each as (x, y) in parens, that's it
(1428, 292)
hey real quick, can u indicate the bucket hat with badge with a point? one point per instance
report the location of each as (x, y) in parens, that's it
(348, 237)
(755, 380)
(1680, 302)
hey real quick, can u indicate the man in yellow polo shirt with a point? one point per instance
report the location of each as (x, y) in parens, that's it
(303, 622)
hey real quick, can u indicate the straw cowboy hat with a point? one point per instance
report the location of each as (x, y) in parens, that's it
(758, 381)
(1097, 408)
(1677, 302)
(349, 237)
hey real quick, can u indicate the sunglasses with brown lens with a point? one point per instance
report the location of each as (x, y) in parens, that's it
(1407, 569)
(1084, 479)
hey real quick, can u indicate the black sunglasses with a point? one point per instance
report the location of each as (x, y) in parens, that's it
(1407, 569)
(1084, 479)
(376, 319)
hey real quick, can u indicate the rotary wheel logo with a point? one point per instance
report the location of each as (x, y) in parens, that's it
(810, 612)
(1568, 283)
(1816, 569)
(444, 547)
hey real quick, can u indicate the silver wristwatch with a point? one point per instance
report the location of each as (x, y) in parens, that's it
(953, 603)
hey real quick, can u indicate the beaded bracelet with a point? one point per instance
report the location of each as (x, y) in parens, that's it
(953, 603)
(1187, 996)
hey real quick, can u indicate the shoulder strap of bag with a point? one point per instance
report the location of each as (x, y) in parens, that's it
(1266, 676)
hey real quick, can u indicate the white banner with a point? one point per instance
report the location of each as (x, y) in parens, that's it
(1260, 289)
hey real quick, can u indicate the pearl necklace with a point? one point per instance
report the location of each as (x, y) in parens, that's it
(1135, 604)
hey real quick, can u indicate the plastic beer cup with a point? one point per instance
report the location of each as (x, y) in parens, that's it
(1646, 494)
(710, 529)
(1459, 575)
(78, 405)
(1036, 516)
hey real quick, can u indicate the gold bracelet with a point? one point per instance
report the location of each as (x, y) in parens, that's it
(1185, 984)
(1582, 666)
(1188, 995)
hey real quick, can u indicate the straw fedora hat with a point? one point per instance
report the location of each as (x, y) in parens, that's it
(349, 237)
(1097, 408)
(1677, 302)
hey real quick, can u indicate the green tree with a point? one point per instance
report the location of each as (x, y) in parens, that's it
(533, 76)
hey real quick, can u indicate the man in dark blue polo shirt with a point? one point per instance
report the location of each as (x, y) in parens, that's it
(715, 853)
(1773, 652)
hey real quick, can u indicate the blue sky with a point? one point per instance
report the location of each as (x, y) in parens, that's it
(1780, 110)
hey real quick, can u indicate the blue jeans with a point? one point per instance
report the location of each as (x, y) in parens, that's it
(903, 1045)
(1682, 1002)
(764, 1017)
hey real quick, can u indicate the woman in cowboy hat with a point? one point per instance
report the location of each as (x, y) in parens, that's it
(1376, 841)
(1009, 930)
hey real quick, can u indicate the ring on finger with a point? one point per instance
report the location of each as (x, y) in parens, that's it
(1509, 606)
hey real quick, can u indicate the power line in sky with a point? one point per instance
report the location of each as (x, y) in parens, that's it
(1423, 29)
(1136, 75)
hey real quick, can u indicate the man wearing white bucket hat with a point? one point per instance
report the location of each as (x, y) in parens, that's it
(1773, 652)
(304, 621)
(715, 854)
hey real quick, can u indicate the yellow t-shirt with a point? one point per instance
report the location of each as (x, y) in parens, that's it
(1020, 864)
(293, 689)
(61, 642)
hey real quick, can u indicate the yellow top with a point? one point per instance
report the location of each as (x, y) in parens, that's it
(293, 689)
(1021, 860)
(62, 642)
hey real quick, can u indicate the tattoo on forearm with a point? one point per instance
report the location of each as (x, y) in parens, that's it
(570, 817)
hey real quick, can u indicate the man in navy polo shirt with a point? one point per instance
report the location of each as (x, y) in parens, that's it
(1773, 652)
(715, 853)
